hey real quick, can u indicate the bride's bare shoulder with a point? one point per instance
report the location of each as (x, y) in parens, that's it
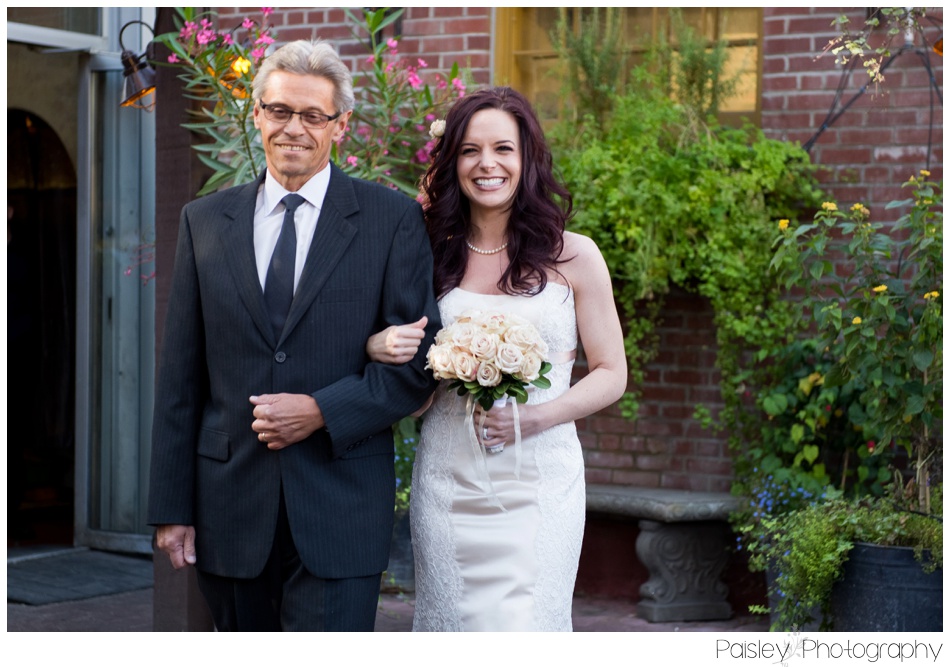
(580, 253)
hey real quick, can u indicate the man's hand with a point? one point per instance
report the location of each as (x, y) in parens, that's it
(282, 420)
(178, 542)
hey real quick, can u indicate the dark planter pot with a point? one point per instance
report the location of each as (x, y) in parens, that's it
(400, 575)
(885, 589)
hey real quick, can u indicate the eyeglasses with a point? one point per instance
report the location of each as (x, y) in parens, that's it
(311, 119)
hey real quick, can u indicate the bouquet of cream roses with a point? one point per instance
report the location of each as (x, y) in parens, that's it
(490, 355)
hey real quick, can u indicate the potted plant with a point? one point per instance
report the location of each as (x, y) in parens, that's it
(883, 327)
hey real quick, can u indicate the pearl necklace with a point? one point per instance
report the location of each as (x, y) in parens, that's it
(487, 252)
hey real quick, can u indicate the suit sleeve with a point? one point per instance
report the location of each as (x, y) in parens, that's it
(357, 407)
(180, 393)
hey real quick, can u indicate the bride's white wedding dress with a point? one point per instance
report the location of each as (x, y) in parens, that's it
(480, 567)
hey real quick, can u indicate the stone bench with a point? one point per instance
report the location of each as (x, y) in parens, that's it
(683, 543)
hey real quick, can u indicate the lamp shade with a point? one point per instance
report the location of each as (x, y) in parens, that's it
(139, 81)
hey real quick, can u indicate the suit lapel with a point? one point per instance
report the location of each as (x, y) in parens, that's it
(333, 234)
(238, 241)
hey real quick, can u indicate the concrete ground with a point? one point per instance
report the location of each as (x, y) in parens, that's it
(69, 595)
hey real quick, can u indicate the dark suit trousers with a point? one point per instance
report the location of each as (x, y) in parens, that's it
(286, 597)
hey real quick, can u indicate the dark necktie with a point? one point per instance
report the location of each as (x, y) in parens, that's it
(279, 283)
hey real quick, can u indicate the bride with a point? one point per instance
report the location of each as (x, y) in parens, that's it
(497, 537)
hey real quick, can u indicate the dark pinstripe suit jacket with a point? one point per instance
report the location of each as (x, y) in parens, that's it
(369, 266)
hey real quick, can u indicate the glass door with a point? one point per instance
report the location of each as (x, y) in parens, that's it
(115, 316)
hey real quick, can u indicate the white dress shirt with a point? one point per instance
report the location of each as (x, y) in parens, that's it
(269, 218)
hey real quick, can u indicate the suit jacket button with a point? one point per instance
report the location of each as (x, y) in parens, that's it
(280, 357)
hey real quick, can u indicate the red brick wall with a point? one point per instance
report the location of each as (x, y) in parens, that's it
(882, 139)
(665, 447)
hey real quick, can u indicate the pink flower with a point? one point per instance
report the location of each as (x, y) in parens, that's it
(459, 86)
(173, 59)
(247, 24)
(187, 30)
(442, 85)
(267, 11)
(393, 45)
(228, 40)
(422, 155)
(390, 67)
(371, 59)
(206, 36)
(870, 445)
(415, 81)
(352, 160)
(258, 52)
(429, 118)
(423, 63)
(264, 39)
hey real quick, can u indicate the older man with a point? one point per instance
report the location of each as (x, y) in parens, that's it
(272, 465)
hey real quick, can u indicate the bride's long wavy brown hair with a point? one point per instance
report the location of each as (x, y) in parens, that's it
(539, 212)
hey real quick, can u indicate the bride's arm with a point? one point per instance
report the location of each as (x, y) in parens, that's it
(396, 344)
(599, 327)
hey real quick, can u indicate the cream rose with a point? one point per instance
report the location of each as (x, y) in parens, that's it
(465, 365)
(508, 358)
(488, 374)
(439, 361)
(495, 323)
(484, 345)
(530, 367)
(525, 336)
(461, 334)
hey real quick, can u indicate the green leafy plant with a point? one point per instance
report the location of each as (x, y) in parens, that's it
(388, 138)
(881, 328)
(218, 67)
(884, 319)
(674, 199)
(809, 546)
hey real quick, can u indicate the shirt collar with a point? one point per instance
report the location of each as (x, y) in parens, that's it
(313, 190)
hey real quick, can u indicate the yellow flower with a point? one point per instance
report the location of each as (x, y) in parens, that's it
(932, 295)
(880, 288)
(860, 211)
(241, 65)
(924, 173)
(829, 206)
(783, 225)
(856, 320)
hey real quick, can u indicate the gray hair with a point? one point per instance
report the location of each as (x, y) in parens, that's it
(316, 58)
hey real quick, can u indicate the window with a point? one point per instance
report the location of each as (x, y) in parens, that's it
(527, 60)
(72, 19)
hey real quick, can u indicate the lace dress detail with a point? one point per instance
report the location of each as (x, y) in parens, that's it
(479, 567)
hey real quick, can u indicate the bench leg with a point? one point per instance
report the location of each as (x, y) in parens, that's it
(686, 561)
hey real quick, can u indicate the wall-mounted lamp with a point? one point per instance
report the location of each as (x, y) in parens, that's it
(139, 74)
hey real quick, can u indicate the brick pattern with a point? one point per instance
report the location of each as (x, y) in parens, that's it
(439, 35)
(665, 447)
(865, 155)
(882, 139)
